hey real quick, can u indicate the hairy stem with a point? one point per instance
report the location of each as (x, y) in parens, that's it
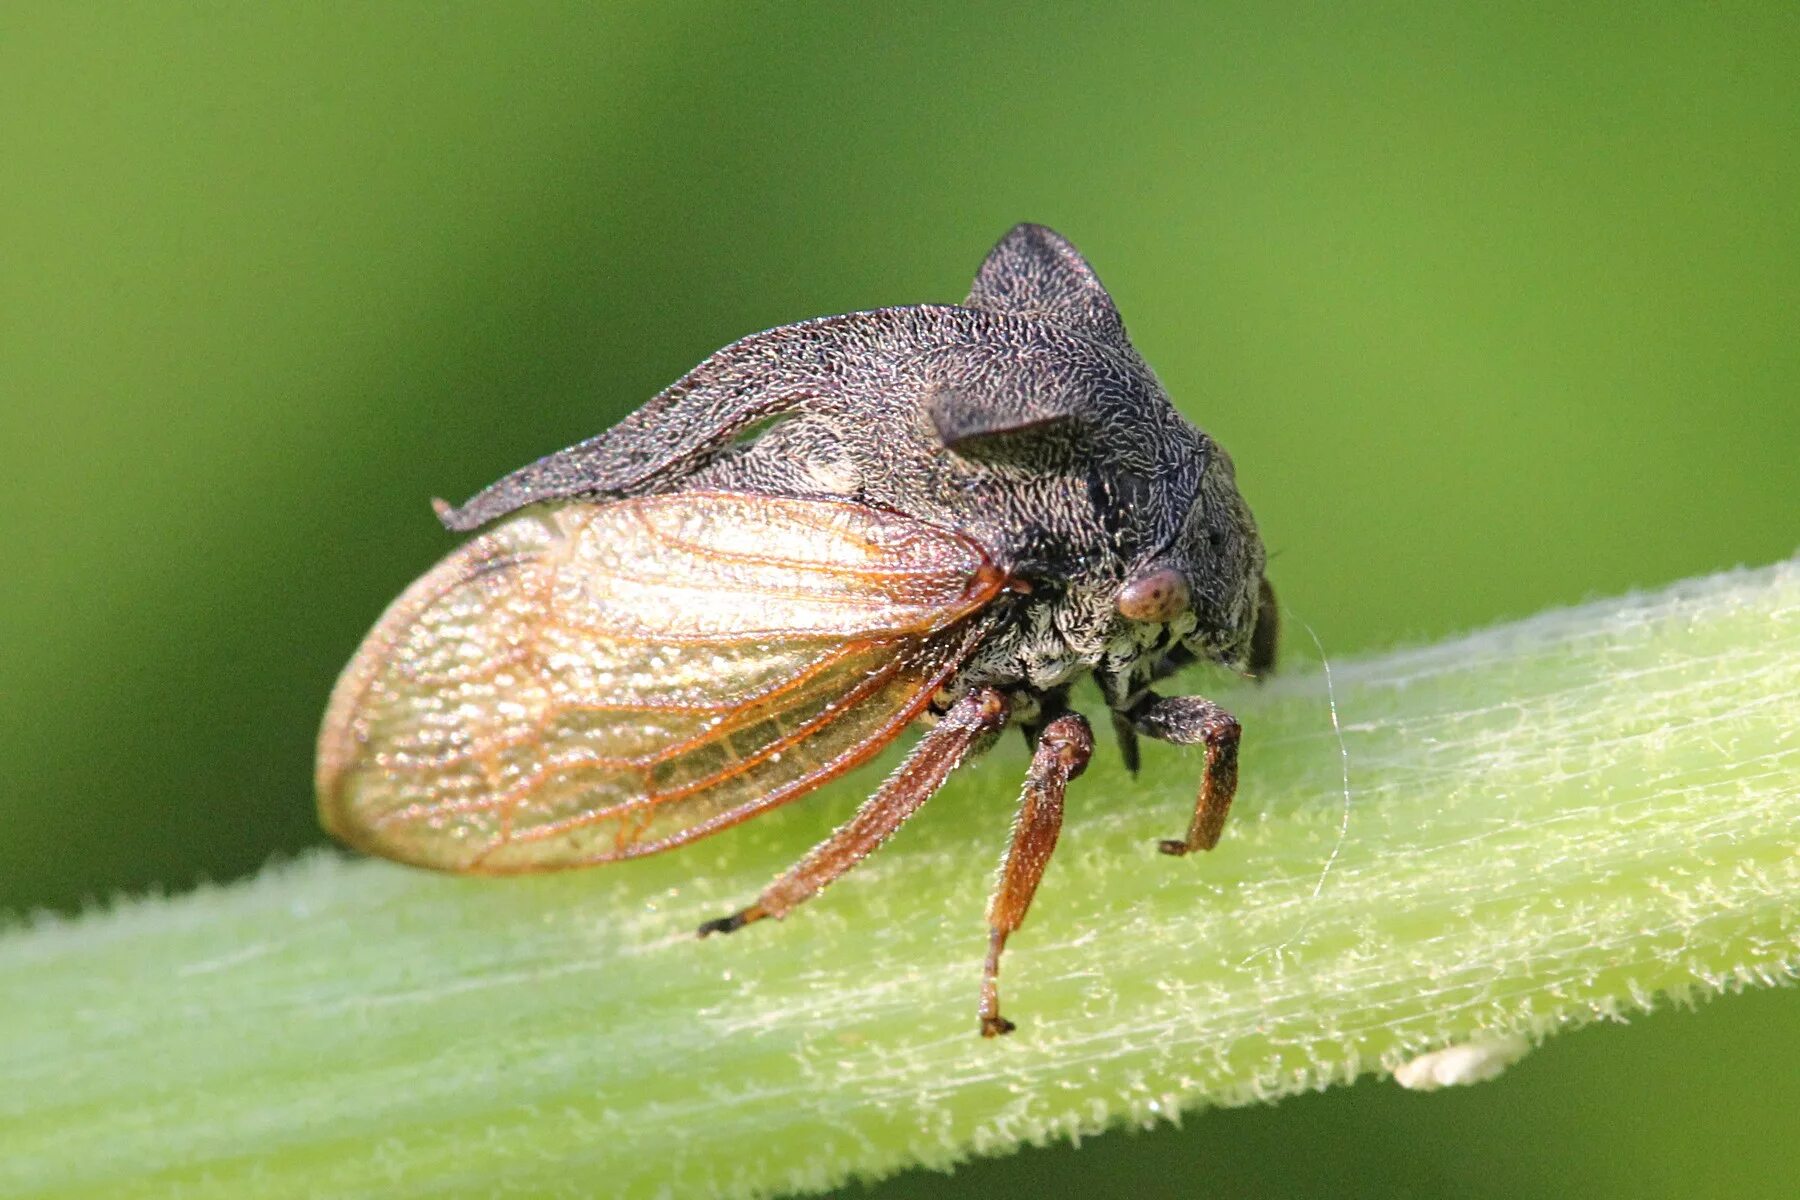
(1548, 822)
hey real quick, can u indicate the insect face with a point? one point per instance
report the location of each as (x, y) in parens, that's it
(760, 578)
(1223, 558)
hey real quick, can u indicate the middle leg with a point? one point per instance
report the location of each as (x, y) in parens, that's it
(1062, 753)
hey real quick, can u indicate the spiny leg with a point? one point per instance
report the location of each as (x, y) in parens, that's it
(978, 715)
(1063, 749)
(1192, 721)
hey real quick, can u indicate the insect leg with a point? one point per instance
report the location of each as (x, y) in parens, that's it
(1062, 753)
(1265, 634)
(1192, 721)
(1177, 658)
(977, 716)
(1127, 739)
(1051, 704)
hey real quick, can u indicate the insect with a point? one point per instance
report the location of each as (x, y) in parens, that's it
(824, 532)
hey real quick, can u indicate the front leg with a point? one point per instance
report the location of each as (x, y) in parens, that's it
(1193, 721)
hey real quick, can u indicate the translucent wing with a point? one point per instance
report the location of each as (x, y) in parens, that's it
(598, 681)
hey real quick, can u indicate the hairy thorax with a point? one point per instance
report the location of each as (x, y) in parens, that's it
(1045, 645)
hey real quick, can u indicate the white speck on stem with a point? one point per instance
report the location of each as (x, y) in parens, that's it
(1461, 1064)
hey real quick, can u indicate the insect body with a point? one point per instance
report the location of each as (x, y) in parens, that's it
(757, 580)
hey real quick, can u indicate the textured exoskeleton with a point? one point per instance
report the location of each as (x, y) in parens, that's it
(976, 505)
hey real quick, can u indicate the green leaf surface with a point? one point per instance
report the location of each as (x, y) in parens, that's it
(1553, 821)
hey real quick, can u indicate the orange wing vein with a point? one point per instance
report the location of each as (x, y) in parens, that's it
(588, 682)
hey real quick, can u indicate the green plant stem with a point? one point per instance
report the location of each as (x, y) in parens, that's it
(1556, 820)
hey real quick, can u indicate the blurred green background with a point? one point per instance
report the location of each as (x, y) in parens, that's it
(1495, 309)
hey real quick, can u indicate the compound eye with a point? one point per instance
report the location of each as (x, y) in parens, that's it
(1160, 595)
